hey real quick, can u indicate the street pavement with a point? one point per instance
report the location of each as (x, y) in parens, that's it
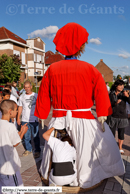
(114, 185)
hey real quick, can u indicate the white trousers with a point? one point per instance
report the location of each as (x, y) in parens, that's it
(98, 155)
(61, 180)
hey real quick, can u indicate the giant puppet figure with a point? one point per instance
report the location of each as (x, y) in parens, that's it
(70, 86)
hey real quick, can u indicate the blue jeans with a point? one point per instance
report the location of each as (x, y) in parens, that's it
(33, 128)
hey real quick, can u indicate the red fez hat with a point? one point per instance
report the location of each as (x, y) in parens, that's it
(70, 38)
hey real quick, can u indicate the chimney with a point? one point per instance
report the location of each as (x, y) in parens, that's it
(56, 52)
(101, 60)
(28, 37)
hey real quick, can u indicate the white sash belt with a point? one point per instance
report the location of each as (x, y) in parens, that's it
(69, 115)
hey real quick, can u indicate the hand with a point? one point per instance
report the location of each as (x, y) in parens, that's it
(12, 119)
(18, 121)
(24, 128)
(118, 101)
(41, 121)
(126, 93)
(102, 119)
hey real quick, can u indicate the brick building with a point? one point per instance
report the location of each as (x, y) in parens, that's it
(50, 58)
(31, 53)
(106, 72)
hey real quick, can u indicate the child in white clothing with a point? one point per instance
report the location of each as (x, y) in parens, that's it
(12, 97)
(9, 138)
(63, 171)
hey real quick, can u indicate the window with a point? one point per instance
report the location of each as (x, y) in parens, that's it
(42, 59)
(39, 58)
(23, 58)
(35, 57)
(16, 52)
(15, 36)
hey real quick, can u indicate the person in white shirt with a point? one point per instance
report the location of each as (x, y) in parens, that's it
(27, 103)
(12, 97)
(9, 138)
(108, 88)
(14, 91)
(63, 170)
(22, 91)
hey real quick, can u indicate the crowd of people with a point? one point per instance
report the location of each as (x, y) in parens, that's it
(88, 152)
(17, 121)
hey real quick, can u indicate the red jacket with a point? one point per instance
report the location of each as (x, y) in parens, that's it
(72, 84)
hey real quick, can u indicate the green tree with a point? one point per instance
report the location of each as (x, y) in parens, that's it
(9, 68)
(118, 77)
(114, 77)
(126, 76)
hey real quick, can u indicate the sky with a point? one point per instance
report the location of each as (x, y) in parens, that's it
(107, 22)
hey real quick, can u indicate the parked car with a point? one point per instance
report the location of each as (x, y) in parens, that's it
(1, 88)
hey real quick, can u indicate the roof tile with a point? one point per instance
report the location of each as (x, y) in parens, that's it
(6, 34)
(50, 57)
